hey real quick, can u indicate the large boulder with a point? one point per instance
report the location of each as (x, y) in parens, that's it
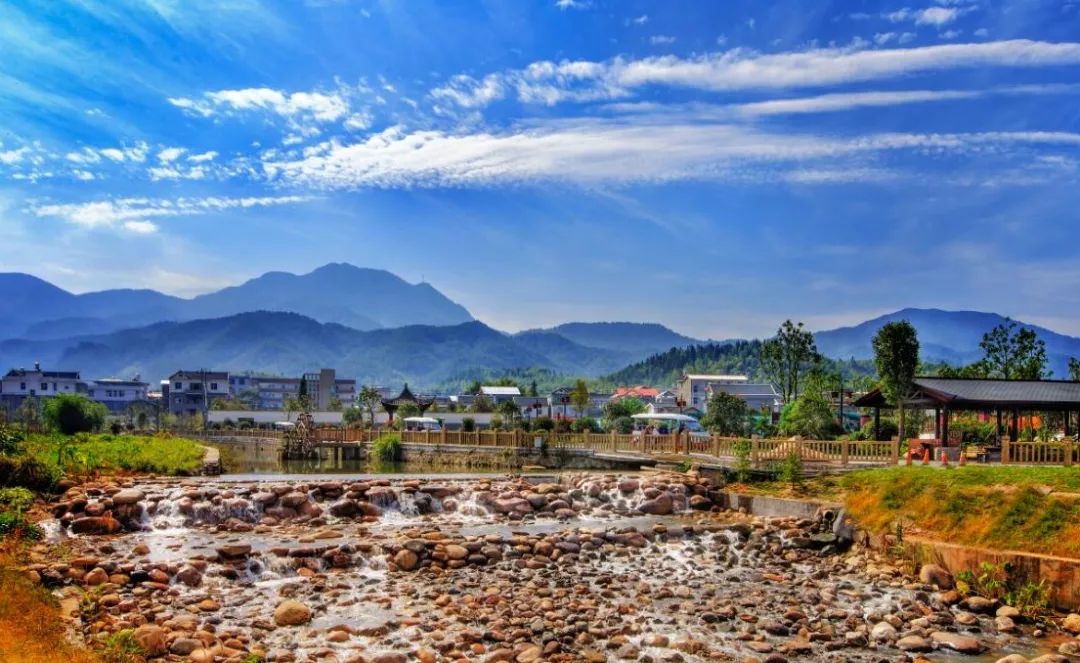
(128, 496)
(95, 525)
(292, 613)
(661, 505)
(932, 574)
(965, 644)
(406, 560)
(234, 550)
(1072, 623)
(152, 639)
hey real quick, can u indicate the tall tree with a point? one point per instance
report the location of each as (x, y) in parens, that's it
(786, 357)
(580, 398)
(1013, 353)
(1074, 369)
(896, 355)
(368, 399)
(726, 414)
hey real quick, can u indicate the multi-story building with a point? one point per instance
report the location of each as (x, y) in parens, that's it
(189, 392)
(644, 394)
(117, 394)
(691, 391)
(759, 397)
(20, 383)
(271, 392)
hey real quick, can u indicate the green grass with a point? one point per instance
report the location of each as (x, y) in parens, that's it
(106, 453)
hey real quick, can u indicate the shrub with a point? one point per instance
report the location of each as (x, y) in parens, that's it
(496, 423)
(121, 647)
(387, 448)
(623, 425)
(585, 425)
(562, 426)
(10, 440)
(74, 413)
(15, 499)
(790, 470)
(15, 524)
(27, 472)
(742, 460)
(544, 423)
(468, 424)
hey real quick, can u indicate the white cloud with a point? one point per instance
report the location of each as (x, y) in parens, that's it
(598, 151)
(467, 92)
(661, 39)
(170, 154)
(572, 4)
(205, 156)
(982, 33)
(133, 214)
(936, 16)
(739, 69)
(640, 20)
(849, 100)
(297, 108)
(950, 34)
(141, 227)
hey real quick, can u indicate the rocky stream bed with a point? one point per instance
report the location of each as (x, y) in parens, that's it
(593, 568)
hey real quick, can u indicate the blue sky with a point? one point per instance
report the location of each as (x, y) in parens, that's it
(715, 166)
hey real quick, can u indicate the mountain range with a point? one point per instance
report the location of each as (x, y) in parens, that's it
(352, 296)
(376, 327)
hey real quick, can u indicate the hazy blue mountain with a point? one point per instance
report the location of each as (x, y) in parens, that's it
(950, 336)
(281, 343)
(570, 357)
(353, 296)
(636, 340)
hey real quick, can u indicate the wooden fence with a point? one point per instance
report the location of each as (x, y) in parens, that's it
(1066, 452)
(760, 453)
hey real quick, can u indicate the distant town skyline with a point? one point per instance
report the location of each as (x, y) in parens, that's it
(716, 167)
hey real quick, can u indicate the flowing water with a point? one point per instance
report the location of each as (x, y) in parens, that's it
(597, 567)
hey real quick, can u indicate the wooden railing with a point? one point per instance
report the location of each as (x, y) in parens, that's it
(1066, 452)
(760, 453)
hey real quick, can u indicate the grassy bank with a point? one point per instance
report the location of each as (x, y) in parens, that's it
(31, 624)
(1016, 508)
(40, 460)
(1032, 509)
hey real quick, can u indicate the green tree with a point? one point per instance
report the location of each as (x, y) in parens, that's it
(811, 414)
(726, 414)
(368, 399)
(352, 416)
(335, 405)
(896, 355)
(623, 408)
(302, 398)
(408, 410)
(1013, 353)
(785, 357)
(74, 413)
(482, 403)
(580, 397)
(509, 410)
(533, 390)
(1074, 369)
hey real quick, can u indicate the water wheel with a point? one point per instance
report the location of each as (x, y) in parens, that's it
(300, 440)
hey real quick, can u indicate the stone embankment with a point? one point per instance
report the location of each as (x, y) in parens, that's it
(594, 568)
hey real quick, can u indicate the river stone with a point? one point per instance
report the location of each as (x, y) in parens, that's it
(234, 550)
(932, 574)
(406, 560)
(152, 639)
(661, 505)
(965, 644)
(454, 551)
(980, 604)
(190, 576)
(292, 613)
(914, 643)
(128, 496)
(1072, 623)
(293, 499)
(184, 646)
(883, 632)
(95, 525)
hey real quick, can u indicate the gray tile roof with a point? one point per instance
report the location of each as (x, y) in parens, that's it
(1005, 392)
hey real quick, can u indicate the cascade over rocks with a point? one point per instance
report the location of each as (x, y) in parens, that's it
(592, 567)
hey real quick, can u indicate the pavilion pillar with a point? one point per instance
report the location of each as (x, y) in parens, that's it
(945, 428)
(877, 423)
(997, 433)
(1068, 423)
(937, 423)
(1014, 428)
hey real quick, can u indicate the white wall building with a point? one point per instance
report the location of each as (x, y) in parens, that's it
(692, 388)
(117, 394)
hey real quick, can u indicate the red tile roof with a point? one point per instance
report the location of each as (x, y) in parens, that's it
(640, 391)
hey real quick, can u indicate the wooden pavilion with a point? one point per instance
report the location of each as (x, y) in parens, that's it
(392, 404)
(1003, 398)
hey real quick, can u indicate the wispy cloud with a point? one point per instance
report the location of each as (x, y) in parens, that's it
(299, 109)
(614, 152)
(936, 16)
(134, 214)
(740, 69)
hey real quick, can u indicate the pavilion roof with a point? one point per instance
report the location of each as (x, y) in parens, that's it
(985, 393)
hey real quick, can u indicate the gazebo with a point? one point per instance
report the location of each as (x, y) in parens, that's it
(1002, 397)
(392, 404)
